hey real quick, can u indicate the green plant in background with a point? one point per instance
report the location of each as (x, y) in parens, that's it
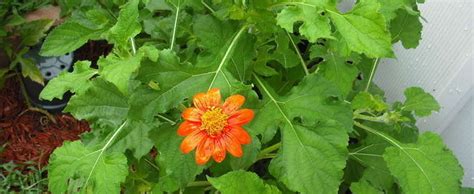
(17, 35)
(304, 67)
(13, 179)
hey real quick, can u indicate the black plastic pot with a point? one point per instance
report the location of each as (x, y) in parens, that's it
(50, 67)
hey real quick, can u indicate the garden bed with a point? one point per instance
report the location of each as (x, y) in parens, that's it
(29, 135)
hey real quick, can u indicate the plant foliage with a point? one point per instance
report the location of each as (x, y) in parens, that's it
(305, 67)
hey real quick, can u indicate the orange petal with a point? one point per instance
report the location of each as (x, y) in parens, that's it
(214, 97)
(187, 127)
(204, 151)
(205, 101)
(200, 101)
(233, 103)
(233, 146)
(240, 134)
(192, 140)
(219, 151)
(192, 114)
(241, 117)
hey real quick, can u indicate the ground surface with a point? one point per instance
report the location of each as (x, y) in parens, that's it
(28, 135)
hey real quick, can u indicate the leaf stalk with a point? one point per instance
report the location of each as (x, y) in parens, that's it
(372, 73)
(269, 150)
(303, 64)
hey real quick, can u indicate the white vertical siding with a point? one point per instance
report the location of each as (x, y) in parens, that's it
(443, 65)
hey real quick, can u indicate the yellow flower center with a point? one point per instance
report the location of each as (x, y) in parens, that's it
(214, 121)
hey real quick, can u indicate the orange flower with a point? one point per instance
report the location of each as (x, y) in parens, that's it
(215, 128)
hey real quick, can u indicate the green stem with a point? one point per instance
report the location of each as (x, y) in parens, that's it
(152, 165)
(173, 37)
(372, 73)
(267, 156)
(23, 90)
(34, 184)
(380, 119)
(269, 150)
(199, 184)
(134, 49)
(303, 64)
(373, 131)
(102, 150)
(207, 6)
(166, 119)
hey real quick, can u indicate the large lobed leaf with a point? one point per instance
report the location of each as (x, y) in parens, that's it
(407, 28)
(134, 137)
(127, 26)
(335, 68)
(426, 166)
(313, 151)
(315, 24)
(74, 162)
(101, 104)
(76, 81)
(75, 32)
(364, 29)
(419, 101)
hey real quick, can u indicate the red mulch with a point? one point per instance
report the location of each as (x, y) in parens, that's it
(29, 135)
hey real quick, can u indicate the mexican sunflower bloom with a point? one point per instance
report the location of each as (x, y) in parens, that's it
(214, 128)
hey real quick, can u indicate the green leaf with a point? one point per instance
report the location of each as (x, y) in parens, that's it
(117, 69)
(68, 37)
(32, 32)
(419, 101)
(315, 24)
(176, 169)
(364, 29)
(158, 5)
(134, 137)
(389, 8)
(248, 182)
(313, 152)
(263, 57)
(363, 187)
(407, 28)
(426, 166)
(76, 81)
(142, 178)
(335, 69)
(102, 103)
(241, 62)
(127, 26)
(179, 81)
(74, 162)
(213, 36)
(380, 179)
(29, 69)
(370, 155)
(284, 53)
(367, 101)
